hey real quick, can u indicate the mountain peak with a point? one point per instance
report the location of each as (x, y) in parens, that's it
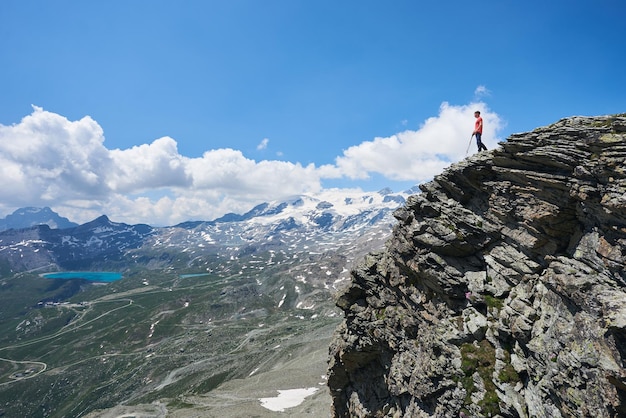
(30, 216)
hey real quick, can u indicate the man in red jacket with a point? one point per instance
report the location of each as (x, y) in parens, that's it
(478, 131)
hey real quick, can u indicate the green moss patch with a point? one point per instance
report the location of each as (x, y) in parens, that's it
(481, 359)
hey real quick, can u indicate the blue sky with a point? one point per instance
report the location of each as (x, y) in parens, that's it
(160, 111)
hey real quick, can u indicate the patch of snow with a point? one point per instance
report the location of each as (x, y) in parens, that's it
(301, 305)
(287, 399)
(152, 329)
(282, 300)
(101, 229)
(94, 241)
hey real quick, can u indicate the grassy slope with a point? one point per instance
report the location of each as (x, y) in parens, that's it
(209, 343)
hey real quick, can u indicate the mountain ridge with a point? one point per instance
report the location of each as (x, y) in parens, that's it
(78, 246)
(502, 290)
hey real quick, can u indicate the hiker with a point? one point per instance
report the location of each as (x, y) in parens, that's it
(478, 131)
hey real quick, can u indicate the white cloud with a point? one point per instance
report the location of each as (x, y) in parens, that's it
(47, 160)
(147, 167)
(263, 144)
(228, 171)
(418, 155)
(481, 91)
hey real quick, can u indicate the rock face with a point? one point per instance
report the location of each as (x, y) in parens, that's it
(502, 290)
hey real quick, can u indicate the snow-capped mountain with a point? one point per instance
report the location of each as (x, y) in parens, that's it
(27, 217)
(303, 229)
(332, 220)
(324, 209)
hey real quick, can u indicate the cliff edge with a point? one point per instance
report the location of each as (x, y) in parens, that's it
(502, 291)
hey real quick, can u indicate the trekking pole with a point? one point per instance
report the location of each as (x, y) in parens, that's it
(468, 145)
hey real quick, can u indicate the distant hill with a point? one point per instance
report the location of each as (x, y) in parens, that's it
(27, 217)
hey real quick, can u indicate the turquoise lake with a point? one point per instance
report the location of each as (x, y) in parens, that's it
(92, 276)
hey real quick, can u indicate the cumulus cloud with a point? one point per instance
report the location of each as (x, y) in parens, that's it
(231, 172)
(147, 167)
(48, 160)
(418, 154)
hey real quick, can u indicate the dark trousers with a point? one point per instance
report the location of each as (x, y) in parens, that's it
(479, 143)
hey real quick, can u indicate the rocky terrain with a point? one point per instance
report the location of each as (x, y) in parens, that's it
(502, 291)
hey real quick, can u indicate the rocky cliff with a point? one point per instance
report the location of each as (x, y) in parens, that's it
(502, 290)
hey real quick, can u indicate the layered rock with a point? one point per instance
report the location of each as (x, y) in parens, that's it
(502, 290)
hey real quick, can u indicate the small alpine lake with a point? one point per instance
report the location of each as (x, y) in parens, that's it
(92, 276)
